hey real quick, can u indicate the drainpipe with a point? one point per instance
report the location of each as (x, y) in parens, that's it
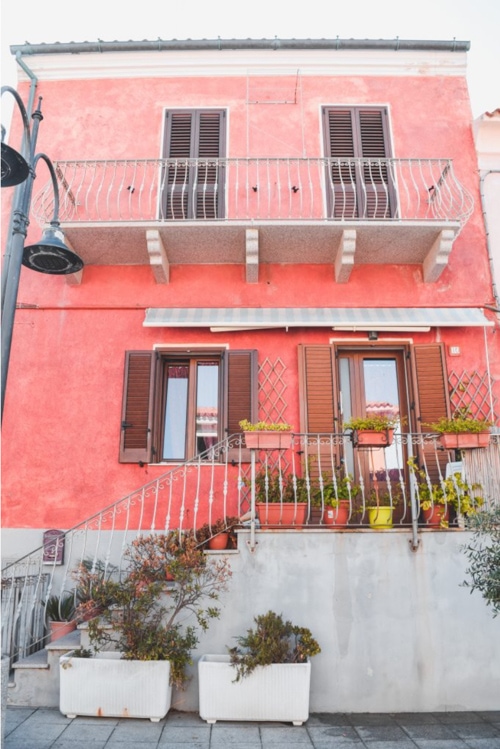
(482, 180)
(252, 543)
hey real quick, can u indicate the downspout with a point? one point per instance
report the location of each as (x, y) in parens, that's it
(33, 79)
(482, 180)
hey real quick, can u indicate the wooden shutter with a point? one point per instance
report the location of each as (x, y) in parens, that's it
(318, 404)
(241, 393)
(432, 402)
(360, 189)
(137, 408)
(193, 185)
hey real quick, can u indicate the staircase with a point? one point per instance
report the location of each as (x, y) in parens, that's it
(34, 680)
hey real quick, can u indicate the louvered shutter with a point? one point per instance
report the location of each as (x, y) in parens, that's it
(432, 401)
(241, 393)
(137, 408)
(319, 410)
(193, 182)
(360, 184)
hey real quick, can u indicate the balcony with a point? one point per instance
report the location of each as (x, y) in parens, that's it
(343, 212)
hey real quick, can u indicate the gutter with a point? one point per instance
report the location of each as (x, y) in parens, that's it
(162, 45)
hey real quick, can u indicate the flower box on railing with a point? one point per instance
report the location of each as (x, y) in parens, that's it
(462, 441)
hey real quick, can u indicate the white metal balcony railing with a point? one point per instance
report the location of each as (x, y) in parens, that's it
(214, 486)
(256, 189)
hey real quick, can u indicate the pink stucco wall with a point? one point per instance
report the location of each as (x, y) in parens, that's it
(63, 407)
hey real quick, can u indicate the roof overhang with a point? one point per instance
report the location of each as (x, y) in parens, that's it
(221, 319)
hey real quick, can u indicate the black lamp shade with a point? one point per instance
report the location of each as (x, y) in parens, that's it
(51, 255)
(14, 167)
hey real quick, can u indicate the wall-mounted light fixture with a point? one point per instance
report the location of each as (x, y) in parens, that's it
(372, 335)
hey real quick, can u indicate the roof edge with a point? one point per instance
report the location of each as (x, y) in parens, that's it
(164, 45)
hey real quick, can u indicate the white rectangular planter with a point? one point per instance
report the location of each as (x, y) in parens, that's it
(277, 692)
(106, 685)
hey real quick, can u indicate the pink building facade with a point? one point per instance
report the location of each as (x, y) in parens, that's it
(289, 232)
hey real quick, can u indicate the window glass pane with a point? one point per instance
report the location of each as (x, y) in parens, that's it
(382, 397)
(207, 405)
(176, 402)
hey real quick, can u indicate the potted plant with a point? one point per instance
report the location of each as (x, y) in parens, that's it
(266, 676)
(281, 499)
(372, 431)
(220, 534)
(263, 435)
(435, 500)
(60, 613)
(462, 431)
(332, 500)
(142, 625)
(381, 508)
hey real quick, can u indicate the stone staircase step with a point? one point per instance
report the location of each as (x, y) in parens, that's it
(36, 677)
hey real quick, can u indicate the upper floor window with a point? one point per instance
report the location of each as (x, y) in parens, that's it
(193, 180)
(360, 182)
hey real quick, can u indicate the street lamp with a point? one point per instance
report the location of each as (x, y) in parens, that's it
(50, 255)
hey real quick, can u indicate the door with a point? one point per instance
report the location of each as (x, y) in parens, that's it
(372, 382)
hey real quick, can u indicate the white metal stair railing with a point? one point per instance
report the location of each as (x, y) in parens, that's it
(177, 496)
(267, 189)
(215, 485)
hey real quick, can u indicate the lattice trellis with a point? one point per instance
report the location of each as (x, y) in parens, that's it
(272, 387)
(472, 391)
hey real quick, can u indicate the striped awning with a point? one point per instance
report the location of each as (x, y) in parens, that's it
(367, 318)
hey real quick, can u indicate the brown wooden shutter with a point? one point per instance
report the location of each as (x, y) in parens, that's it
(319, 409)
(137, 408)
(241, 393)
(191, 189)
(432, 402)
(363, 189)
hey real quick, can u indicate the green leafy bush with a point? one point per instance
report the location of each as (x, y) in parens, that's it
(483, 554)
(272, 641)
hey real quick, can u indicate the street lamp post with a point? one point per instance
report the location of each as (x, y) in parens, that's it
(50, 255)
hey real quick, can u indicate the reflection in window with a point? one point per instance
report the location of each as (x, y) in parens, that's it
(207, 405)
(176, 401)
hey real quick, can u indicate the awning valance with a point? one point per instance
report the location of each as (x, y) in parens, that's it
(364, 318)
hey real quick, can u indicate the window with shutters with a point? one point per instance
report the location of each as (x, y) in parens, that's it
(359, 177)
(180, 404)
(194, 174)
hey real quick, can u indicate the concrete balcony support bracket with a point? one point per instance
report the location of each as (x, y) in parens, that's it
(436, 259)
(157, 256)
(252, 255)
(344, 261)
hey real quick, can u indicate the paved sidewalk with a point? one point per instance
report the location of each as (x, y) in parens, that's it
(42, 728)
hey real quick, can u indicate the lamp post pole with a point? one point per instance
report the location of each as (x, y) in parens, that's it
(50, 255)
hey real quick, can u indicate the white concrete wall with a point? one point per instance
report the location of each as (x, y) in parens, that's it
(398, 630)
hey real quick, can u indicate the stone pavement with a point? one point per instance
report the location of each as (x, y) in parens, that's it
(43, 728)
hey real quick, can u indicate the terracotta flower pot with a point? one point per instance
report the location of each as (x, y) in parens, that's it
(282, 514)
(459, 441)
(268, 440)
(435, 516)
(219, 541)
(337, 515)
(60, 629)
(371, 438)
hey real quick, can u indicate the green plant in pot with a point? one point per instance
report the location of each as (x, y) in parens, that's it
(282, 498)
(332, 498)
(146, 622)
(435, 500)
(220, 534)
(462, 430)
(265, 435)
(380, 506)
(60, 613)
(373, 431)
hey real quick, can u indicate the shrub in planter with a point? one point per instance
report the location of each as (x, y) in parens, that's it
(142, 618)
(266, 435)
(60, 612)
(462, 431)
(265, 677)
(220, 534)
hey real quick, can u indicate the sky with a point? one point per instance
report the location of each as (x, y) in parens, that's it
(477, 21)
